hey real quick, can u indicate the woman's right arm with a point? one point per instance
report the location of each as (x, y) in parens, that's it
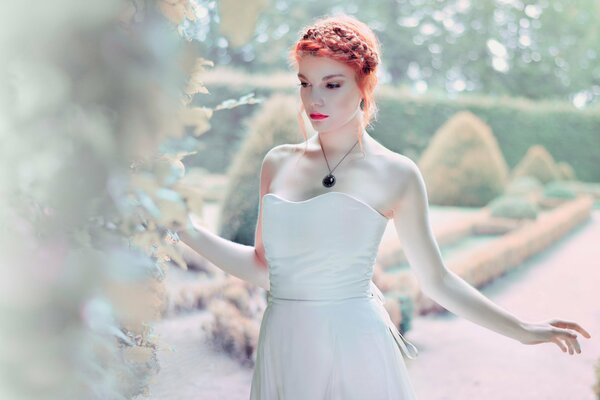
(245, 262)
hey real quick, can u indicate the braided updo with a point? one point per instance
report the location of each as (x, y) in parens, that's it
(345, 39)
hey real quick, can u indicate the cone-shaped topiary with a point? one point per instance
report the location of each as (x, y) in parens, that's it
(523, 185)
(463, 164)
(537, 162)
(272, 124)
(566, 171)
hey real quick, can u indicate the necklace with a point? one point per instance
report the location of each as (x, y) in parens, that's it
(329, 180)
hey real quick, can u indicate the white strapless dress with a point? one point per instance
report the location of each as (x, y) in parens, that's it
(325, 334)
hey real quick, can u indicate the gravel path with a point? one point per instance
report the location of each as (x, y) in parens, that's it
(458, 359)
(462, 360)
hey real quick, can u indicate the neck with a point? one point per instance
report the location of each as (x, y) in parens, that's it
(336, 143)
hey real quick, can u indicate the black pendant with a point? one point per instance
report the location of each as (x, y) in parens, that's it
(329, 180)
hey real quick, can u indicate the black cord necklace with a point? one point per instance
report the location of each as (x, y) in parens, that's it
(329, 180)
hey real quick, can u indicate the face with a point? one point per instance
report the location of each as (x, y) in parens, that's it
(338, 96)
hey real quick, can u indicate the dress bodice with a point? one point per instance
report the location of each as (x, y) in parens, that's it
(323, 248)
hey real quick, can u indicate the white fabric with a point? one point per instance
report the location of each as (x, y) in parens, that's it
(325, 334)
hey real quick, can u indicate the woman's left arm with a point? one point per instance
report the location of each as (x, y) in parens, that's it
(411, 219)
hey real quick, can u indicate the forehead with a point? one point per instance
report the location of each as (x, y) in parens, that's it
(312, 67)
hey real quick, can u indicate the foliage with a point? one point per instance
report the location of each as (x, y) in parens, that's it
(239, 30)
(523, 185)
(85, 188)
(408, 311)
(272, 124)
(502, 48)
(596, 386)
(463, 164)
(235, 327)
(513, 206)
(560, 190)
(539, 163)
(565, 170)
(406, 122)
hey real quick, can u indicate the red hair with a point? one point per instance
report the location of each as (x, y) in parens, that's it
(345, 39)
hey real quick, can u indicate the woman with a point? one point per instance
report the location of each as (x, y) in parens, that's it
(325, 333)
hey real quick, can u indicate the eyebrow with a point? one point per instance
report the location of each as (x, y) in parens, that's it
(325, 77)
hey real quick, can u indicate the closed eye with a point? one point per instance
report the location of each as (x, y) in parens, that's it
(329, 85)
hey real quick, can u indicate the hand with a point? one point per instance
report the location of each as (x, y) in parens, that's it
(171, 237)
(193, 221)
(554, 331)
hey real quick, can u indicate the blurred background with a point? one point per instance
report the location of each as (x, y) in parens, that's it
(118, 118)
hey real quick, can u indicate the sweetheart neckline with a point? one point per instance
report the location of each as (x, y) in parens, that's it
(369, 207)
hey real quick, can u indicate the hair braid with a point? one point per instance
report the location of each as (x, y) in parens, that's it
(343, 42)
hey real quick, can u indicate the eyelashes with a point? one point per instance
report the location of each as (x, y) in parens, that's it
(335, 85)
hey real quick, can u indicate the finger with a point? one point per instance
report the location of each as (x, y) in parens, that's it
(569, 346)
(559, 344)
(572, 325)
(580, 329)
(576, 346)
(569, 337)
(563, 334)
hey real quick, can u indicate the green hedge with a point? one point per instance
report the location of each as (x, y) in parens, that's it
(406, 123)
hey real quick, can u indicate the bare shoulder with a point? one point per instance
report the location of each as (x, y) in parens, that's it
(404, 175)
(276, 155)
(402, 164)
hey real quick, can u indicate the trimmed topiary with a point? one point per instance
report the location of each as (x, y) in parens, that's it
(559, 190)
(272, 124)
(524, 185)
(463, 164)
(566, 171)
(511, 206)
(539, 163)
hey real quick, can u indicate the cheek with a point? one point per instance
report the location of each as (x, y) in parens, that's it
(304, 96)
(349, 102)
(344, 102)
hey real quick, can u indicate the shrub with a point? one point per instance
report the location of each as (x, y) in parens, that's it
(401, 309)
(596, 386)
(408, 309)
(566, 171)
(463, 164)
(538, 163)
(406, 120)
(559, 190)
(511, 206)
(524, 185)
(237, 312)
(232, 332)
(273, 124)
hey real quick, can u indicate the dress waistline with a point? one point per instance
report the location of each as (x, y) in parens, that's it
(406, 347)
(276, 299)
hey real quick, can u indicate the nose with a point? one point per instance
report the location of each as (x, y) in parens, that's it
(315, 99)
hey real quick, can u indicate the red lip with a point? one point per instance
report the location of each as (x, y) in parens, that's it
(318, 116)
